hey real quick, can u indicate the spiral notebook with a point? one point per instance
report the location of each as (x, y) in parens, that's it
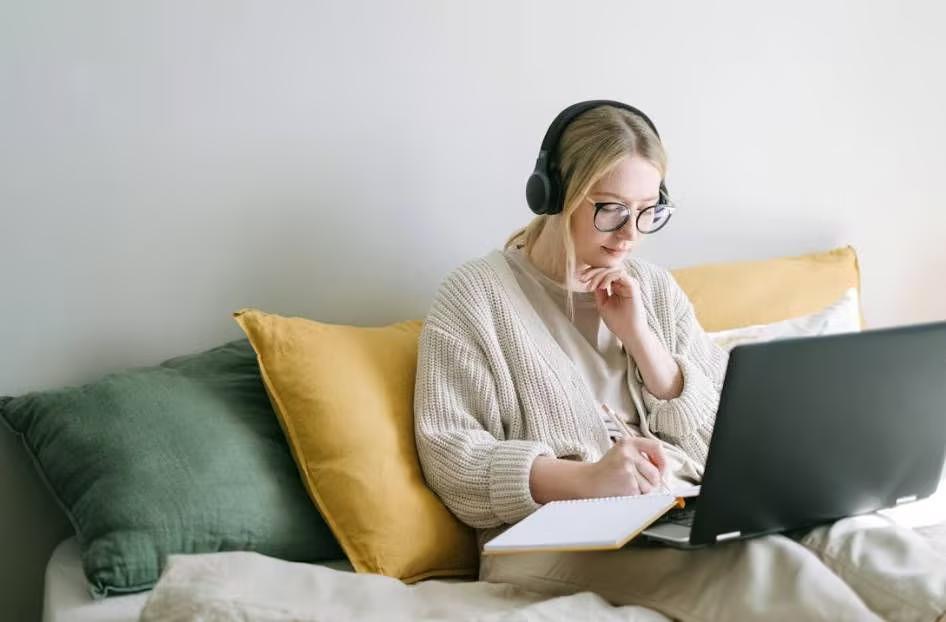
(604, 523)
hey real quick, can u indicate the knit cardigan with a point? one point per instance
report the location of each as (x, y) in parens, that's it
(494, 390)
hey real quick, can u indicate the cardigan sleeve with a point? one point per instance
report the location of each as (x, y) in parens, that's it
(687, 420)
(482, 479)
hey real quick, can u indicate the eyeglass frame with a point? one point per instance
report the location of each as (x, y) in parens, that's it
(599, 204)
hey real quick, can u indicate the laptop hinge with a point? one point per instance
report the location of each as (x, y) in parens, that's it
(728, 536)
(906, 499)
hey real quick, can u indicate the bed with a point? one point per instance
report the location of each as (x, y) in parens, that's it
(204, 586)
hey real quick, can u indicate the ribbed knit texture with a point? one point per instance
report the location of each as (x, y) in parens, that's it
(494, 390)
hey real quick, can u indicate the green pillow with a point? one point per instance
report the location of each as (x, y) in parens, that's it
(184, 457)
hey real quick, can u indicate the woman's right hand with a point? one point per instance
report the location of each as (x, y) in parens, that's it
(633, 466)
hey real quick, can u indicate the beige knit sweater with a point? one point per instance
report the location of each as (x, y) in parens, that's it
(494, 390)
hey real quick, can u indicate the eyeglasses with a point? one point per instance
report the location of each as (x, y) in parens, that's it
(611, 216)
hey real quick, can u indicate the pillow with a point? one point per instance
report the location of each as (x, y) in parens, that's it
(745, 293)
(183, 457)
(843, 316)
(344, 396)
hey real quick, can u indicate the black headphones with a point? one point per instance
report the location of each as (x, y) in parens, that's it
(544, 188)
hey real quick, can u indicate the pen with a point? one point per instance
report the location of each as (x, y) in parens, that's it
(627, 431)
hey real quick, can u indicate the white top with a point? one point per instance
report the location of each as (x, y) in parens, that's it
(598, 353)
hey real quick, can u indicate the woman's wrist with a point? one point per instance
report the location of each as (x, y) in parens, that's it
(554, 479)
(634, 340)
(660, 372)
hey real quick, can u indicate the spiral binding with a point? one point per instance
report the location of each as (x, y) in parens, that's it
(614, 498)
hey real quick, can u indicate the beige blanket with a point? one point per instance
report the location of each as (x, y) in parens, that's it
(250, 586)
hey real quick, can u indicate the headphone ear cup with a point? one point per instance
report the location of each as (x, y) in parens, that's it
(555, 193)
(538, 192)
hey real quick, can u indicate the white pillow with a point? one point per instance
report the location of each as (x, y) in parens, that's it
(842, 316)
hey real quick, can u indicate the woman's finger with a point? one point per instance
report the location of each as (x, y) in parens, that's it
(588, 278)
(616, 281)
(600, 276)
(633, 486)
(620, 287)
(654, 451)
(598, 280)
(649, 472)
(621, 284)
(601, 296)
(595, 282)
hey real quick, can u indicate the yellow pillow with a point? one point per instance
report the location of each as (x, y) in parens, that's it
(743, 293)
(344, 396)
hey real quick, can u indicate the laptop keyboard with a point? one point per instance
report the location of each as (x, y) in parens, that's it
(681, 516)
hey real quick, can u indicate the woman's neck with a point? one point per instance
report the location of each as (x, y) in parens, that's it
(548, 255)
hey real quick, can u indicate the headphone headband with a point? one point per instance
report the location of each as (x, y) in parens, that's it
(544, 187)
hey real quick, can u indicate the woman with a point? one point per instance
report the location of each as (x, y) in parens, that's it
(563, 367)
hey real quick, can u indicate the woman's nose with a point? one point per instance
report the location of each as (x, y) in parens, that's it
(629, 230)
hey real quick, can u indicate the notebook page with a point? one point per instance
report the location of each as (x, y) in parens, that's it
(582, 524)
(687, 491)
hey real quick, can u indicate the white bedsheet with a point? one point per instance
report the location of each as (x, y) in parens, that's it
(67, 599)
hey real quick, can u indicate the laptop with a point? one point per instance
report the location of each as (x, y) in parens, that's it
(813, 429)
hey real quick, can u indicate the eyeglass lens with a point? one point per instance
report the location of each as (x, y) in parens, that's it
(612, 216)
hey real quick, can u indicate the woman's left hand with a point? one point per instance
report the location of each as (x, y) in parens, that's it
(623, 311)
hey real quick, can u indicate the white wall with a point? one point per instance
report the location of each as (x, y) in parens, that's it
(163, 164)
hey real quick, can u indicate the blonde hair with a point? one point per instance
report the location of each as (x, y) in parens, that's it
(591, 145)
